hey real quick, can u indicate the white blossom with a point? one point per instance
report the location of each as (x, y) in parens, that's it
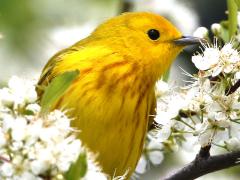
(164, 133)
(209, 58)
(153, 154)
(205, 137)
(156, 156)
(233, 144)
(237, 75)
(2, 138)
(34, 108)
(216, 60)
(6, 97)
(6, 170)
(161, 88)
(22, 90)
(142, 165)
(32, 145)
(94, 170)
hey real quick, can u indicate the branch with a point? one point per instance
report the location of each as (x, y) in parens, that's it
(233, 88)
(229, 90)
(202, 166)
(203, 153)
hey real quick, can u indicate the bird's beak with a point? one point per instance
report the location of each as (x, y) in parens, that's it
(187, 40)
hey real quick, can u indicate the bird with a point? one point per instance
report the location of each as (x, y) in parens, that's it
(113, 99)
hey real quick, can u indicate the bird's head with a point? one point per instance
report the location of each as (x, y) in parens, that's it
(149, 38)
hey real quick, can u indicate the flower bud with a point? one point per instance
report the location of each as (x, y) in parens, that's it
(216, 28)
(201, 32)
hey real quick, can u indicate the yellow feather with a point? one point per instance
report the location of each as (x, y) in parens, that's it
(112, 99)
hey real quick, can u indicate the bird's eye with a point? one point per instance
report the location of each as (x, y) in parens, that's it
(153, 34)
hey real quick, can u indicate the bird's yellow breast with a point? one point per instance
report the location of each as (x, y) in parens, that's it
(111, 115)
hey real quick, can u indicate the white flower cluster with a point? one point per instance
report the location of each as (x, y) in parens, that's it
(206, 112)
(158, 141)
(33, 146)
(208, 109)
(216, 61)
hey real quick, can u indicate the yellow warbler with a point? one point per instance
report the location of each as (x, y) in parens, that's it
(113, 96)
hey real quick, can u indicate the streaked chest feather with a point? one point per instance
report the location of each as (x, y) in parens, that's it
(111, 107)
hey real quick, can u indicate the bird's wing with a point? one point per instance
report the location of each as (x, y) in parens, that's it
(78, 56)
(47, 73)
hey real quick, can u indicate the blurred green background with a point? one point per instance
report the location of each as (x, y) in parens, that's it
(31, 31)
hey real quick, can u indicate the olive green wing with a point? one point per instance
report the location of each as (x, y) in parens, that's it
(81, 55)
(47, 75)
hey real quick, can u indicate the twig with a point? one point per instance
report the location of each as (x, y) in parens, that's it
(233, 88)
(202, 166)
(229, 90)
(204, 153)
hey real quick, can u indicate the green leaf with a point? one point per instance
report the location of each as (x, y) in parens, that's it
(238, 3)
(56, 89)
(28, 112)
(224, 35)
(166, 75)
(232, 18)
(78, 169)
